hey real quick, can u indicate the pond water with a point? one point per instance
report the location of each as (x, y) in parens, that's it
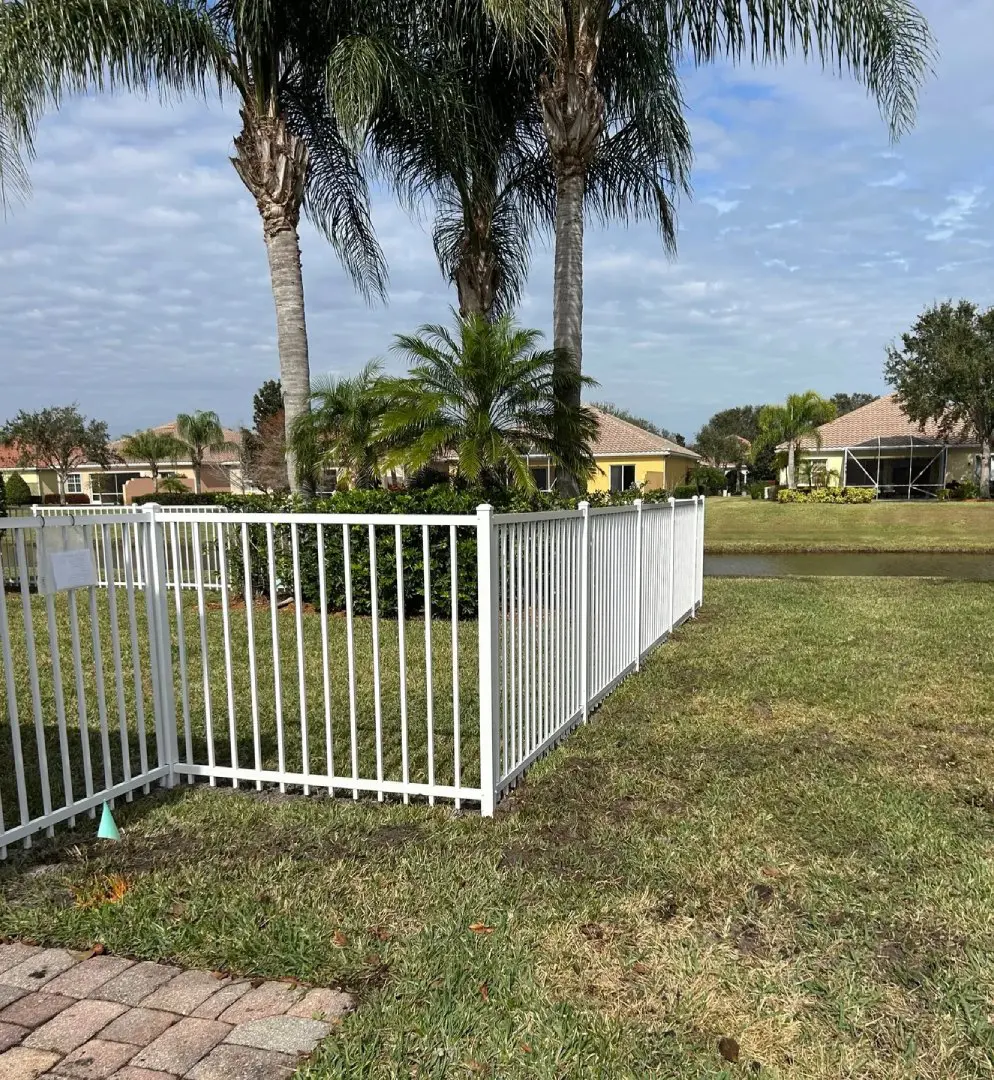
(972, 567)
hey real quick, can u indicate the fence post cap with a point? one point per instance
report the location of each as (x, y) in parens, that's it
(637, 502)
(484, 508)
(672, 500)
(583, 504)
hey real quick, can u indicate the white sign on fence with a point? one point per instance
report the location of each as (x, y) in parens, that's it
(68, 561)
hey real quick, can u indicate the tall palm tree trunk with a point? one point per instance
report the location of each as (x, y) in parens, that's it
(272, 163)
(573, 118)
(791, 471)
(196, 477)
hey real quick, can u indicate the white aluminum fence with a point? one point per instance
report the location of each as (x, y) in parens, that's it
(111, 562)
(408, 656)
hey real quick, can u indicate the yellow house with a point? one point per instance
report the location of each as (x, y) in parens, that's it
(879, 446)
(124, 479)
(627, 456)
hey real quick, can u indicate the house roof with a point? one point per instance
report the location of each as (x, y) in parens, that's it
(617, 437)
(210, 457)
(882, 420)
(9, 457)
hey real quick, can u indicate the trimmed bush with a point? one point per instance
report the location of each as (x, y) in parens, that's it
(828, 495)
(755, 489)
(706, 480)
(18, 492)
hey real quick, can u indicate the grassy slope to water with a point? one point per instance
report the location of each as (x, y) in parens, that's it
(781, 832)
(747, 525)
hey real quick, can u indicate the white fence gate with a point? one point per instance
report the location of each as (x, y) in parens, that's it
(408, 656)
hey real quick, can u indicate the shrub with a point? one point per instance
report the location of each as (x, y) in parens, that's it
(755, 489)
(707, 480)
(965, 489)
(18, 492)
(684, 491)
(72, 499)
(828, 495)
(3, 497)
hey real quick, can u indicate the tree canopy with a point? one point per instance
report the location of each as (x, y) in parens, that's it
(797, 419)
(639, 421)
(944, 374)
(847, 403)
(59, 438)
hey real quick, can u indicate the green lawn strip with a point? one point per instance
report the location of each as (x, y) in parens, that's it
(780, 832)
(741, 526)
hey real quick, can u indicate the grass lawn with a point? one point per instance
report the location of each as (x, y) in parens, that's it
(747, 525)
(781, 833)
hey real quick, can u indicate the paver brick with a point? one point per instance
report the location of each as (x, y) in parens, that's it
(95, 1060)
(16, 953)
(138, 1026)
(285, 1034)
(270, 999)
(10, 994)
(33, 1010)
(184, 993)
(322, 1004)
(225, 997)
(131, 987)
(180, 1047)
(42, 968)
(11, 1035)
(81, 980)
(22, 1063)
(227, 1062)
(74, 1026)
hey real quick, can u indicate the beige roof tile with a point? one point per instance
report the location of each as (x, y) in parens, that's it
(883, 419)
(616, 436)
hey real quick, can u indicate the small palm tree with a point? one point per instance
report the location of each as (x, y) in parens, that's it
(489, 397)
(342, 430)
(797, 419)
(201, 433)
(153, 447)
(173, 484)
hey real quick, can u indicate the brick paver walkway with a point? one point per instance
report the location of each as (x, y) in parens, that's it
(73, 1016)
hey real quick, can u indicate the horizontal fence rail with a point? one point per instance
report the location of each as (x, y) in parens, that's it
(400, 656)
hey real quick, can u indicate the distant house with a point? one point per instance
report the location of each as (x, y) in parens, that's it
(627, 455)
(879, 446)
(124, 479)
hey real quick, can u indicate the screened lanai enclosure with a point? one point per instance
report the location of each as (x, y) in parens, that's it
(899, 468)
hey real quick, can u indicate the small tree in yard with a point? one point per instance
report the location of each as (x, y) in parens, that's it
(59, 438)
(153, 447)
(201, 433)
(798, 418)
(945, 374)
(18, 492)
(263, 453)
(3, 497)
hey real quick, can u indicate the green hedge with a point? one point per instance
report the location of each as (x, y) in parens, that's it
(441, 499)
(828, 495)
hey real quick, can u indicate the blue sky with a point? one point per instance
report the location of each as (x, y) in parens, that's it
(134, 280)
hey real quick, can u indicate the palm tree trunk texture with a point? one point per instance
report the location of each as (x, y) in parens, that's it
(567, 303)
(196, 478)
(272, 163)
(985, 469)
(791, 478)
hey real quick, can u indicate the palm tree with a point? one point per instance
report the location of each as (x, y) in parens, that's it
(342, 430)
(797, 419)
(476, 155)
(612, 108)
(153, 447)
(285, 62)
(201, 433)
(487, 396)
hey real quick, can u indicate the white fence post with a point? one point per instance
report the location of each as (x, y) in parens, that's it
(699, 555)
(486, 587)
(157, 597)
(584, 508)
(693, 601)
(672, 586)
(638, 584)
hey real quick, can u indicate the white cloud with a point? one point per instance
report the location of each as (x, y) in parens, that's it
(723, 206)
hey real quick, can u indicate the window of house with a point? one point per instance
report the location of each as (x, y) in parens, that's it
(329, 482)
(74, 484)
(622, 477)
(540, 474)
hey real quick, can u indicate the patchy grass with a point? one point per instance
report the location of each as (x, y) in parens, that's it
(747, 525)
(781, 834)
